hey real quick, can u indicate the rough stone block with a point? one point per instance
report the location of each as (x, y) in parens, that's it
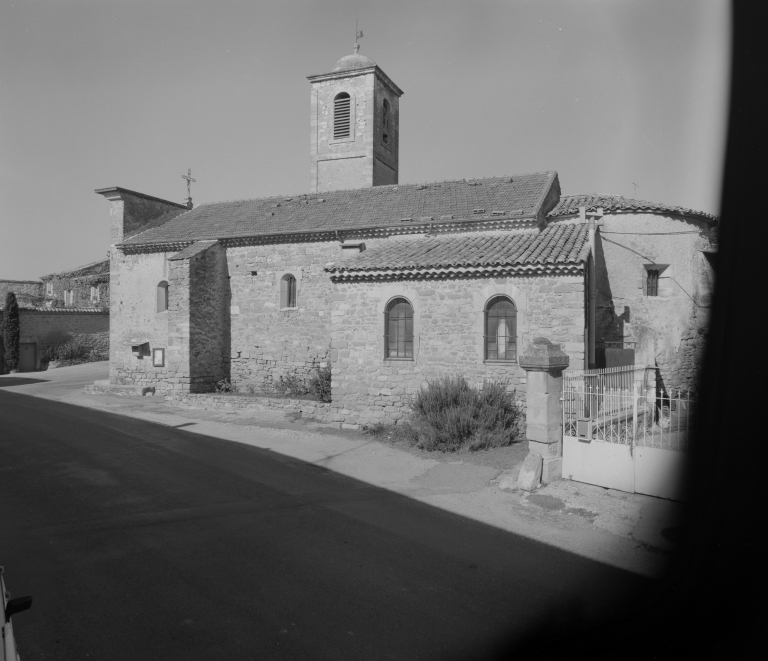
(530, 472)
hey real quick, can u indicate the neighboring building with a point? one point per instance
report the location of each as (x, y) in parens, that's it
(83, 287)
(71, 305)
(28, 292)
(393, 284)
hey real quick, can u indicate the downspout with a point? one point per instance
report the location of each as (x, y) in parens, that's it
(591, 283)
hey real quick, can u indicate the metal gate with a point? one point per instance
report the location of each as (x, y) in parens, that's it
(623, 432)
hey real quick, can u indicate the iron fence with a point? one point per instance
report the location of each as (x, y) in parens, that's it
(625, 405)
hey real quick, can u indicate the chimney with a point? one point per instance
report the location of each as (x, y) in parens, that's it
(130, 211)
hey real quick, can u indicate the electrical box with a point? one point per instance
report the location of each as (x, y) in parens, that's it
(584, 429)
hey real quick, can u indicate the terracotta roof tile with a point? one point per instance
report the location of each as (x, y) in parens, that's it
(570, 205)
(557, 244)
(519, 195)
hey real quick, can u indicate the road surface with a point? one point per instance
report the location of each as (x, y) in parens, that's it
(141, 540)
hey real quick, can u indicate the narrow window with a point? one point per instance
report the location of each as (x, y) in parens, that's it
(653, 282)
(288, 291)
(162, 296)
(398, 329)
(94, 294)
(500, 329)
(342, 116)
(49, 288)
(385, 122)
(69, 297)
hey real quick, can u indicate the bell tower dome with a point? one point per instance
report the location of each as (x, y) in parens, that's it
(355, 132)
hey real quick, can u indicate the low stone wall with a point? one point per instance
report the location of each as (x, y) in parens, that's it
(306, 408)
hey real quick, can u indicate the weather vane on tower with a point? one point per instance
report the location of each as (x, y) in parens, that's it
(358, 35)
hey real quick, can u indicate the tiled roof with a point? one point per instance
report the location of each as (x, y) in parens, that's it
(52, 310)
(192, 250)
(557, 246)
(570, 205)
(379, 206)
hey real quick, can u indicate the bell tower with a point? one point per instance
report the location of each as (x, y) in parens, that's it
(355, 126)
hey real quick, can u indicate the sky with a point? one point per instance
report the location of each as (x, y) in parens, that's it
(620, 97)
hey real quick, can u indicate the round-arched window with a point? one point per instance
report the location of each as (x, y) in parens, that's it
(500, 329)
(342, 116)
(162, 296)
(385, 122)
(398, 329)
(288, 291)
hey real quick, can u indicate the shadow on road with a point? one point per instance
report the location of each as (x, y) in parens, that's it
(8, 381)
(270, 554)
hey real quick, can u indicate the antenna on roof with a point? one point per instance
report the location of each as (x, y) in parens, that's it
(636, 187)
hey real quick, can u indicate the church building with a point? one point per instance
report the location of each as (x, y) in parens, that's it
(394, 284)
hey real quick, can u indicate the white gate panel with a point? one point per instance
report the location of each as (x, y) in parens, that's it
(662, 473)
(598, 462)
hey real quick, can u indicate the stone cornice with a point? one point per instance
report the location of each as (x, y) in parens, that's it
(350, 73)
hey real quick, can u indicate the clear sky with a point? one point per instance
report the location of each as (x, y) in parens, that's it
(132, 93)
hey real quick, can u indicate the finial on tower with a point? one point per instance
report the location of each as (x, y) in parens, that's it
(189, 179)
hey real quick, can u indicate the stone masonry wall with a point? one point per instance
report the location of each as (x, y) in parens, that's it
(24, 290)
(133, 310)
(268, 341)
(669, 329)
(90, 329)
(448, 338)
(209, 319)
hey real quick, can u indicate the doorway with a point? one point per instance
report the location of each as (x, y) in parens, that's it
(27, 357)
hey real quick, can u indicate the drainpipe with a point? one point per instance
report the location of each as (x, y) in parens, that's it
(592, 223)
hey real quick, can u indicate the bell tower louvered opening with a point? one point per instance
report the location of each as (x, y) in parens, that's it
(342, 116)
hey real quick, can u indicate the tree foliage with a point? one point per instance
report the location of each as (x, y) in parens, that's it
(11, 331)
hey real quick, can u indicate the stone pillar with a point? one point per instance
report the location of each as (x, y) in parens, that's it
(544, 363)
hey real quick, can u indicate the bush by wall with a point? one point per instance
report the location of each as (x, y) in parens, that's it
(11, 331)
(450, 415)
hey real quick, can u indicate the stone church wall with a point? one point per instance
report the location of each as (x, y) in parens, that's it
(267, 341)
(448, 338)
(133, 310)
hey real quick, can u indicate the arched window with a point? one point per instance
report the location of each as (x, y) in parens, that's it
(398, 329)
(162, 296)
(500, 329)
(385, 122)
(288, 291)
(342, 116)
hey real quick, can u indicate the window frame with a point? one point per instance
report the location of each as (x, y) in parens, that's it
(391, 304)
(162, 286)
(352, 104)
(289, 291)
(496, 298)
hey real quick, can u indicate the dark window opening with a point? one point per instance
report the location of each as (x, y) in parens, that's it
(162, 296)
(385, 121)
(500, 329)
(288, 291)
(398, 329)
(653, 282)
(342, 116)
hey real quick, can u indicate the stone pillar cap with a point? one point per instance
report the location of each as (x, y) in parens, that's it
(541, 354)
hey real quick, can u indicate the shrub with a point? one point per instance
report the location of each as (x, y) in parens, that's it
(70, 350)
(450, 415)
(291, 386)
(320, 384)
(224, 386)
(10, 331)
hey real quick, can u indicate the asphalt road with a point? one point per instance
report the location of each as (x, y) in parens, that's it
(144, 541)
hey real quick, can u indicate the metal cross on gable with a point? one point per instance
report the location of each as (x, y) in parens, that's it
(189, 179)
